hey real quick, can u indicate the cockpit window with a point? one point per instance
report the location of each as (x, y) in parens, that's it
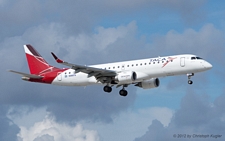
(198, 57)
(193, 58)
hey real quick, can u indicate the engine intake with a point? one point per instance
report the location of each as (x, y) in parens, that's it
(148, 84)
(126, 77)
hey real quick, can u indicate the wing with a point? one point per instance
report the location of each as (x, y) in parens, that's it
(91, 71)
(27, 75)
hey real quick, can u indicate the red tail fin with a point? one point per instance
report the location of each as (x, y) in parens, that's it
(36, 62)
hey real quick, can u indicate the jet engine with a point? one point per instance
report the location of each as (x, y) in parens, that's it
(148, 84)
(126, 77)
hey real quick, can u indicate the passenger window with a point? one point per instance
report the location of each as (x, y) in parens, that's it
(127, 65)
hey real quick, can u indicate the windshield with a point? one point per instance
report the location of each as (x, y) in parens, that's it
(194, 58)
(198, 57)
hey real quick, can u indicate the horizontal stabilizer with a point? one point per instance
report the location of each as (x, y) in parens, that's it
(27, 75)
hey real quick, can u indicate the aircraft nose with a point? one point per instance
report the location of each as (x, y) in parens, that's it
(207, 65)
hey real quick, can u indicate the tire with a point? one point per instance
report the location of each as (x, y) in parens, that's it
(123, 92)
(107, 89)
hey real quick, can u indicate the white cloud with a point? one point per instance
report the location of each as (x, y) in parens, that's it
(130, 124)
(203, 42)
(196, 116)
(48, 129)
(125, 126)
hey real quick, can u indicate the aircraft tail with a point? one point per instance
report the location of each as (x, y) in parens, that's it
(36, 62)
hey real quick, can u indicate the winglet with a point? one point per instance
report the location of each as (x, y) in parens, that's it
(56, 58)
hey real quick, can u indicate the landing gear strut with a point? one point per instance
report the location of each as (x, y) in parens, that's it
(189, 78)
(107, 89)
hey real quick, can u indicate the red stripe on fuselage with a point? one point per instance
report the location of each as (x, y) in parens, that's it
(49, 76)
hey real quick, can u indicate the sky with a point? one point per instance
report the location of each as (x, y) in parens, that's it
(95, 32)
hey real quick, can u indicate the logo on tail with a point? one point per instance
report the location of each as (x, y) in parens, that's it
(36, 62)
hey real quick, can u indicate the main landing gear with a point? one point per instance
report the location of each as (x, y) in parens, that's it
(122, 92)
(107, 89)
(189, 78)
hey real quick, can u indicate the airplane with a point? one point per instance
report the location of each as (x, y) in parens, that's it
(143, 73)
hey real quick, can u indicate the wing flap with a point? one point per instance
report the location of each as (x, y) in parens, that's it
(27, 75)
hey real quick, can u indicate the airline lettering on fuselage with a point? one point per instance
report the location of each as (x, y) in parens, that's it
(70, 75)
(157, 59)
(169, 59)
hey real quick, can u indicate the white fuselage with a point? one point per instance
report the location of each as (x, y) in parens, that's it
(144, 68)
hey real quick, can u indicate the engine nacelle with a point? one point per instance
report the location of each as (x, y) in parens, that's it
(148, 84)
(126, 77)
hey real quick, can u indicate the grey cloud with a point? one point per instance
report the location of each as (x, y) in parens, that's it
(8, 129)
(207, 43)
(79, 16)
(196, 116)
(203, 42)
(45, 137)
(79, 103)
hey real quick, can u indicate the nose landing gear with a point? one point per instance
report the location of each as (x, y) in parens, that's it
(189, 78)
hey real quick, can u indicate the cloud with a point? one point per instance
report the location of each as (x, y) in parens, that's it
(69, 29)
(49, 130)
(45, 137)
(8, 129)
(39, 121)
(74, 14)
(207, 42)
(204, 42)
(196, 116)
(77, 102)
(130, 124)
(61, 101)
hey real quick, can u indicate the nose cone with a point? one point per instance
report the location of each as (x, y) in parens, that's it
(207, 65)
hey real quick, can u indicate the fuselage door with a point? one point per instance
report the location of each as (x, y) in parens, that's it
(182, 61)
(59, 76)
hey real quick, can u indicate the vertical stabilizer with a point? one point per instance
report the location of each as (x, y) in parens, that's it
(36, 62)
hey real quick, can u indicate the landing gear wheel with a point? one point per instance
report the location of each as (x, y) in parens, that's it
(189, 78)
(190, 82)
(123, 92)
(107, 89)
